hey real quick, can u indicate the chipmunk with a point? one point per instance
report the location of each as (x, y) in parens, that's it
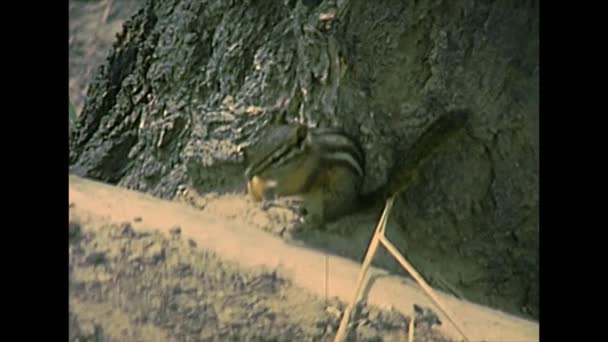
(325, 167)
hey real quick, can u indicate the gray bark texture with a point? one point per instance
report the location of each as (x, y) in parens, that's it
(188, 83)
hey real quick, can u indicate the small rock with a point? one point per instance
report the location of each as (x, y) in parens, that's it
(87, 330)
(183, 270)
(175, 231)
(99, 333)
(374, 315)
(333, 311)
(393, 318)
(426, 315)
(125, 229)
(156, 253)
(192, 243)
(74, 230)
(137, 219)
(321, 322)
(364, 312)
(96, 258)
(367, 333)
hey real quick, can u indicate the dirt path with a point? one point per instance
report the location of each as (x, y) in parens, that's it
(165, 287)
(130, 284)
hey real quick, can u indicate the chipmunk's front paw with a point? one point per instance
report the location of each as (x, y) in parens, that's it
(291, 204)
(308, 220)
(292, 217)
(313, 221)
(188, 195)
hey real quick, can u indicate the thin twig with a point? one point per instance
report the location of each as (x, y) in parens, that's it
(423, 284)
(326, 276)
(410, 333)
(377, 239)
(371, 251)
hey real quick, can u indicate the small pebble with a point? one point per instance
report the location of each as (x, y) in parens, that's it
(426, 315)
(364, 312)
(74, 230)
(126, 230)
(156, 253)
(96, 258)
(137, 219)
(175, 231)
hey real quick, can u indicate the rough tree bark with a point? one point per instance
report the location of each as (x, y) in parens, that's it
(188, 83)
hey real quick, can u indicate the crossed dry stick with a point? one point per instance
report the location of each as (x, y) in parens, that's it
(410, 333)
(378, 238)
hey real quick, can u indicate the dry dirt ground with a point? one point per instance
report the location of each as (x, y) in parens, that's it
(130, 285)
(143, 269)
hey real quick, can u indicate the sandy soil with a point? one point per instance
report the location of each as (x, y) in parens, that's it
(128, 285)
(134, 273)
(132, 283)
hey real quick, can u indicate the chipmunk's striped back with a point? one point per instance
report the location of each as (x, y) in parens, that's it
(336, 146)
(324, 165)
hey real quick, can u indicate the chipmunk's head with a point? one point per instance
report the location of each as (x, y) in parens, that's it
(280, 162)
(275, 145)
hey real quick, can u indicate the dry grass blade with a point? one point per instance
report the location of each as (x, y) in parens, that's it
(425, 287)
(371, 251)
(361, 282)
(410, 333)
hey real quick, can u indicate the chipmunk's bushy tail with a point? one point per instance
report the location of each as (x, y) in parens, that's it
(406, 168)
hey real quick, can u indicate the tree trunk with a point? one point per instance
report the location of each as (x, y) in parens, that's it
(189, 83)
